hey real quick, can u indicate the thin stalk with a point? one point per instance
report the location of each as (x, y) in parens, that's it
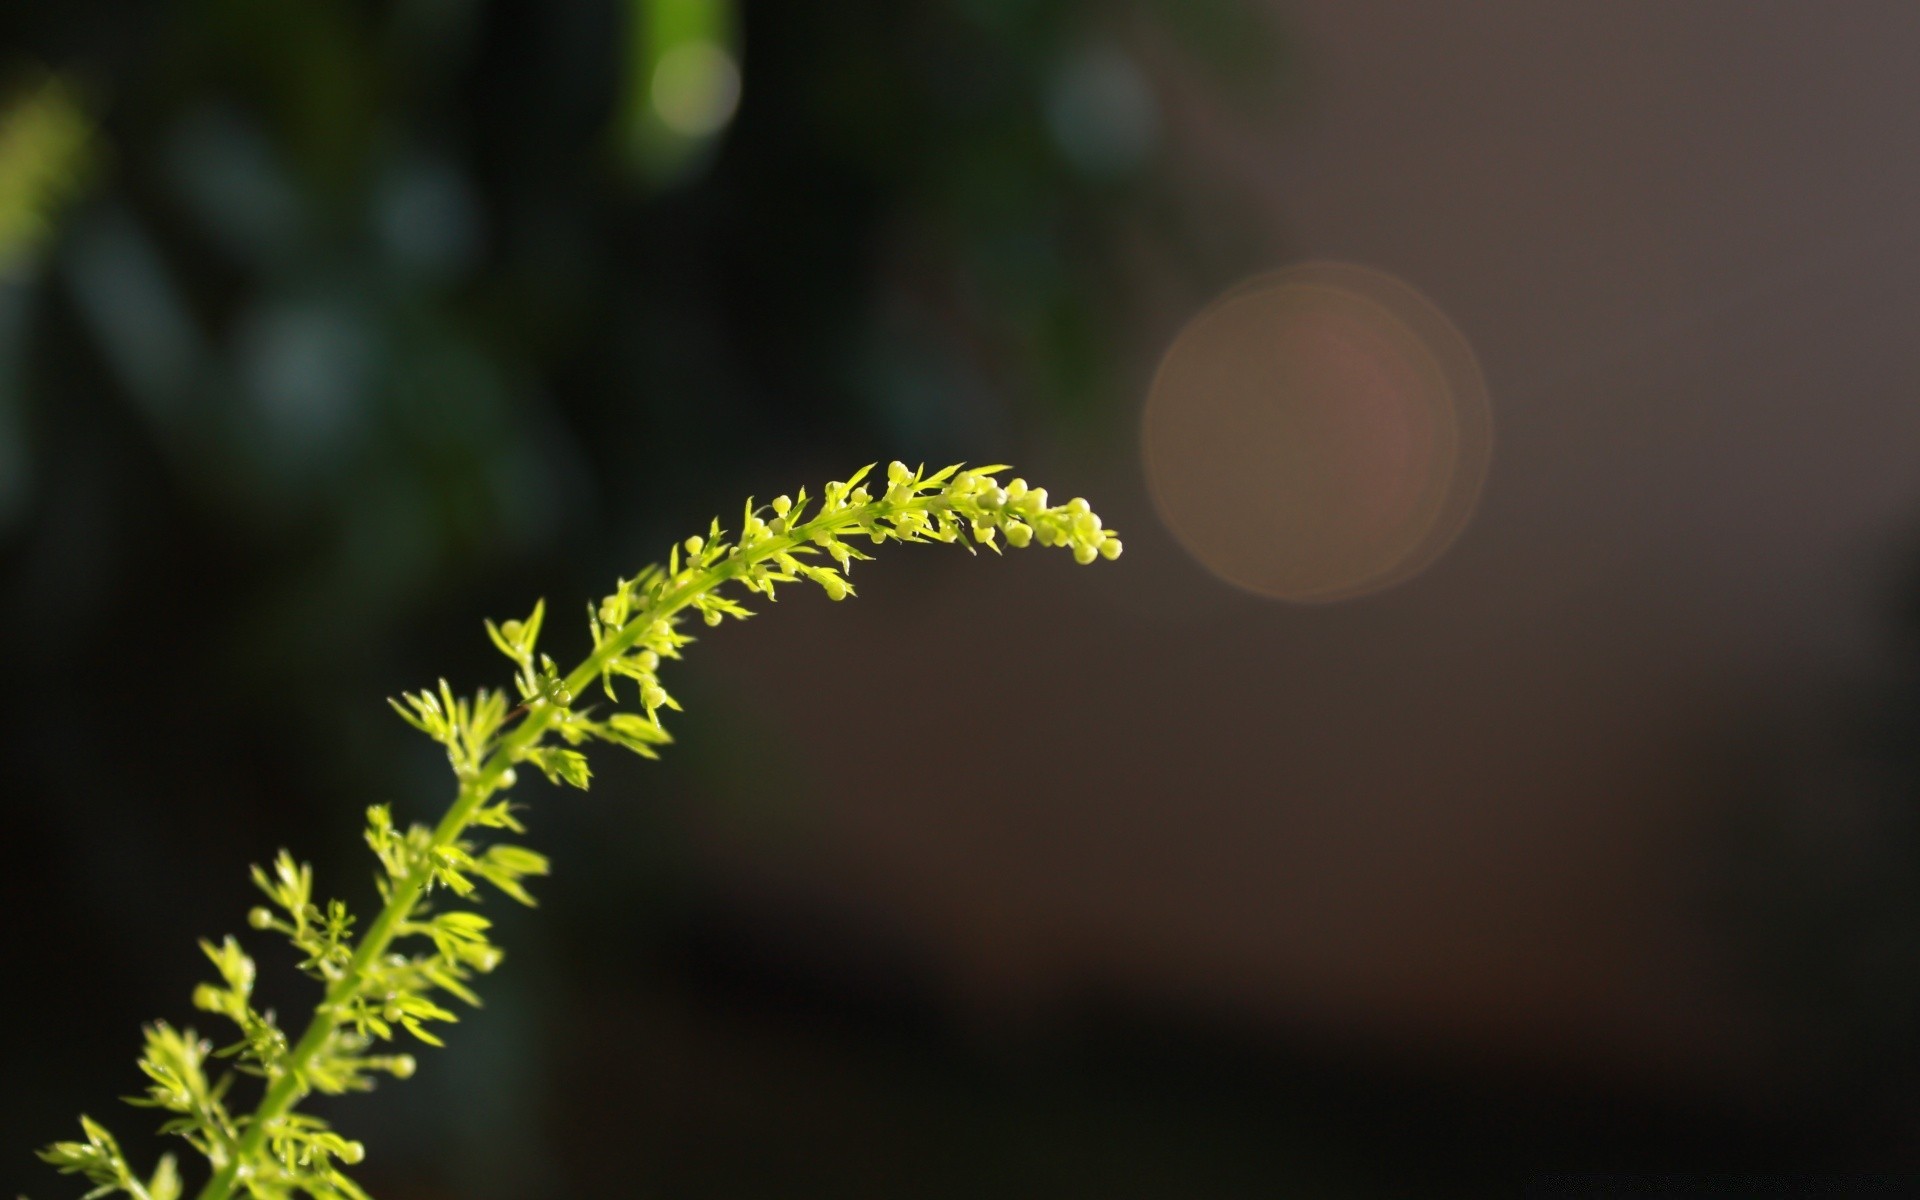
(288, 1086)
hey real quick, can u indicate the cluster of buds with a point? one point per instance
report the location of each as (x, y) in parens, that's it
(636, 627)
(1023, 515)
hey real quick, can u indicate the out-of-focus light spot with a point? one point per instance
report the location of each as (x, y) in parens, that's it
(225, 170)
(129, 300)
(682, 85)
(1317, 434)
(1102, 113)
(428, 218)
(306, 368)
(46, 148)
(696, 88)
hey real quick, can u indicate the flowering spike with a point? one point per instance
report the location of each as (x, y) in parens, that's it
(375, 992)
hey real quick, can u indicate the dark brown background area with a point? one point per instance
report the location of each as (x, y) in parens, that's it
(1593, 846)
(1476, 812)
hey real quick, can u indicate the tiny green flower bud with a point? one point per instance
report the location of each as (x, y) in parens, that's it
(1034, 501)
(1016, 489)
(1079, 505)
(647, 660)
(260, 918)
(835, 587)
(513, 631)
(860, 496)
(1110, 549)
(508, 779)
(897, 472)
(695, 544)
(712, 619)
(352, 1152)
(401, 1066)
(1019, 535)
(1084, 554)
(782, 504)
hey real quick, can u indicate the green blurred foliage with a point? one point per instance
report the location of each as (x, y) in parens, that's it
(418, 279)
(46, 144)
(680, 84)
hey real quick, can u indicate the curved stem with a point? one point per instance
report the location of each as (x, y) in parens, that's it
(288, 1086)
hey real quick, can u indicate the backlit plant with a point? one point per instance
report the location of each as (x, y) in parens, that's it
(395, 973)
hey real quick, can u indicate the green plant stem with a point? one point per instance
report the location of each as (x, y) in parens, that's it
(288, 1087)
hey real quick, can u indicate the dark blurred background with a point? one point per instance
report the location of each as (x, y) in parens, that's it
(329, 328)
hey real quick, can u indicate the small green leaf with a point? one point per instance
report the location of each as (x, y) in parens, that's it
(414, 1027)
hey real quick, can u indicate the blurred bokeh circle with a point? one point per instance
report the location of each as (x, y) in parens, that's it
(1317, 433)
